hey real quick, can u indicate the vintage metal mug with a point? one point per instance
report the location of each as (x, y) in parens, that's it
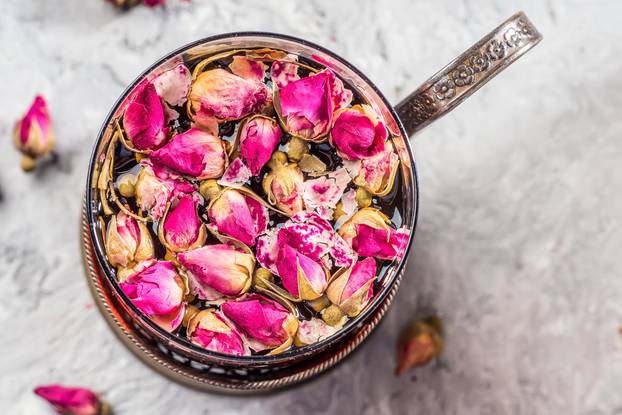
(185, 362)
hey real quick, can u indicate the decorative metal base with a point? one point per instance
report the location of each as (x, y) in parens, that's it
(194, 374)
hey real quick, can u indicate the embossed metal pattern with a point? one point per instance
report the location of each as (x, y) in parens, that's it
(467, 73)
(154, 357)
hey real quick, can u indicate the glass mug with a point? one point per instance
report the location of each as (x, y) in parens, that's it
(182, 360)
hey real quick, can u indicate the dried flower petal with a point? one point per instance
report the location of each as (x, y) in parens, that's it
(311, 165)
(325, 191)
(305, 107)
(369, 234)
(216, 271)
(349, 207)
(33, 135)
(283, 72)
(351, 288)
(419, 343)
(267, 323)
(173, 85)
(212, 331)
(258, 137)
(195, 152)
(219, 94)
(181, 228)
(313, 331)
(71, 400)
(236, 175)
(377, 173)
(127, 241)
(155, 187)
(238, 214)
(251, 69)
(158, 291)
(357, 133)
(144, 121)
(283, 187)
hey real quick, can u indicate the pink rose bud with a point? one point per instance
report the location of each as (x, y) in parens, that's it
(369, 234)
(251, 69)
(127, 241)
(357, 133)
(283, 185)
(212, 331)
(377, 173)
(303, 277)
(313, 331)
(195, 153)
(33, 135)
(258, 137)
(283, 72)
(219, 95)
(419, 343)
(72, 400)
(158, 291)
(173, 85)
(144, 121)
(217, 271)
(267, 323)
(155, 187)
(351, 288)
(182, 229)
(238, 214)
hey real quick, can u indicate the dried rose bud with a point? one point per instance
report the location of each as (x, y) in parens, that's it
(283, 72)
(297, 148)
(217, 271)
(303, 277)
(33, 135)
(258, 137)
(144, 121)
(236, 175)
(419, 343)
(369, 234)
(251, 69)
(351, 288)
(219, 95)
(195, 153)
(305, 107)
(313, 331)
(267, 323)
(127, 241)
(283, 185)
(125, 4)
(377, 173)
(211, 330)
(173, 85)
(239, 214)
(357, 133)
(181, 228)
(155, 187)
(72, 400)
(158, 291)
(154, 3)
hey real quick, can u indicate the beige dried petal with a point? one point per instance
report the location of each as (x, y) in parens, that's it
(312, 165)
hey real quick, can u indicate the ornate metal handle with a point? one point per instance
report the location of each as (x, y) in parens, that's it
(468, 72)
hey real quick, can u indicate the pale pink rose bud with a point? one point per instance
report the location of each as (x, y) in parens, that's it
(265, 322)
(72, 400)
(357, 133)
(212, 331)
(220, 95)
(144, 121)
(239, 214)
(351, 288)
(216, 271)
(283, 72)
(173, 85)
(182, 229)
(155, 187)
(305, 107)
(195, 153)
(127, 241)
(258, 137)
(313, 331)
(158, 291)
(251, 69)
(377, 173)
(33, 135)
(283, 185)
(369, 233)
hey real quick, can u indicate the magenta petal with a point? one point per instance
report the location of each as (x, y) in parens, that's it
(259, 317)
(144, 120)
(182, 224)
(195, 152)
(37, 116)
(361, 274)
(156, 186)
(287, 265)
(239, 216)
(282, 73)
(228, 342)
(258, 140)
(373, 242)
(70, 400)
(325, 191)
(356, 135)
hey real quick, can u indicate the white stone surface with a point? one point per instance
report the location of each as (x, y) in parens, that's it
(518, 244)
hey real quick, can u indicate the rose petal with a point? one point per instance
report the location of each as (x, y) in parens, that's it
(259, 137)
(173, 85)
(212, 331)
(70, 400)
(325, 191)
(283, 72)
(357, 133)
(236, 174)
(143, 120)
(313, 331)
(238, 215)
(250, 69)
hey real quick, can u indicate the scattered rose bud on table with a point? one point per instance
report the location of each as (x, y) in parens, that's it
(33, 135)
(419, 343)
(72, 400)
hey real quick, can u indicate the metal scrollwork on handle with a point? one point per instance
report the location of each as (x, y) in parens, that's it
(467, 73)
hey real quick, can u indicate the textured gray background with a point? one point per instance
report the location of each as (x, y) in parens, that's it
(518, 245)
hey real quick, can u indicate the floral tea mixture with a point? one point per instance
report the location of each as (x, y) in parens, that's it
(250, 202)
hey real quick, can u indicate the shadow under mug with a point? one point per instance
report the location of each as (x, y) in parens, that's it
(437, 96)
